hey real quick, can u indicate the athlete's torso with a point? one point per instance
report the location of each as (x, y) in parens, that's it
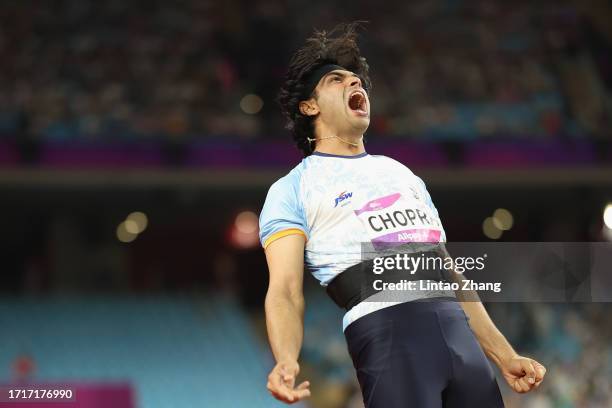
(346, 203)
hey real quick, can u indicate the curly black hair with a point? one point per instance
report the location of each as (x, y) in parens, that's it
(337, 46)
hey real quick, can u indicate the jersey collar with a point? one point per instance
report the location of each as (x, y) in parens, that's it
(321, 154)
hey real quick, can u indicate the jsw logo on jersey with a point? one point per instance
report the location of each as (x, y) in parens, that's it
(341, 197)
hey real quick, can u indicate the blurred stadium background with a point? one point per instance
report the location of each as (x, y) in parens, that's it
(138, 140)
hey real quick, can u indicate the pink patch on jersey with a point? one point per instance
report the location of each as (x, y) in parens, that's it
(379, 203)
(411, 235)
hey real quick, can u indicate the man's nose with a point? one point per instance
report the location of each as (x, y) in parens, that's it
(355, 81)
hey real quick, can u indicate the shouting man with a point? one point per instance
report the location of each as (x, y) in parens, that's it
(428, 351)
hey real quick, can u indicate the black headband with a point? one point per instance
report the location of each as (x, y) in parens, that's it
(312, 80)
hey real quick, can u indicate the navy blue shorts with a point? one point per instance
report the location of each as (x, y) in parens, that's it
(421, 354)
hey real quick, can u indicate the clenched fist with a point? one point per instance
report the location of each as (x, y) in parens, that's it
(281, 383)
(523, 374)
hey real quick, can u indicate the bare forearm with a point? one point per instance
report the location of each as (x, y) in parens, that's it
(522, 373)
(285, 323)
(492, 341)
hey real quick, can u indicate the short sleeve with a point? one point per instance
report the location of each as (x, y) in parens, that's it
(283, 211)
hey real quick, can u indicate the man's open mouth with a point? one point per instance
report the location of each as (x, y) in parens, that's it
(358, 103)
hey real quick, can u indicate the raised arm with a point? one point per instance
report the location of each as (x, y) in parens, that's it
(285, 316)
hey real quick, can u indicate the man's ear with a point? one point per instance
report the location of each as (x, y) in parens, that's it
(309, 107)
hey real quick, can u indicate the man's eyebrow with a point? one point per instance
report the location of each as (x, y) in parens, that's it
(340, 74)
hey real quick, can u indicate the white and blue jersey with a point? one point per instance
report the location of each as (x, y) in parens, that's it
(341, 202)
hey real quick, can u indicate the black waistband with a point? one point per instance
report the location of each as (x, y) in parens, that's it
(355, 284)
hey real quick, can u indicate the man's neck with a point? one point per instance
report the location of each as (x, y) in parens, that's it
(341, 145)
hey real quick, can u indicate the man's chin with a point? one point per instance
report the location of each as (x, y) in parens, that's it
(360, 123)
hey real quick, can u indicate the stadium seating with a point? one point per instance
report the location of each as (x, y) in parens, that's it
(176, 352)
